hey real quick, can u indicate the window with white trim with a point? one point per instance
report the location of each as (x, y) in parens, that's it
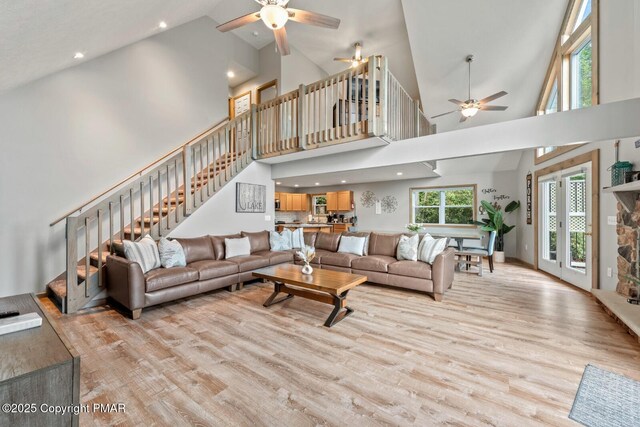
(443, 206)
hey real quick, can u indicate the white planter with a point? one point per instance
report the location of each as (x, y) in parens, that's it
(498, 256)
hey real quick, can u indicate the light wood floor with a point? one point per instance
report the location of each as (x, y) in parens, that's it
(505, 349)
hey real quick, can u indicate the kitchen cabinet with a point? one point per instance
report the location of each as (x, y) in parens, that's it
(293, 202)
(341, 228)
(345, 199)
(297, 202)
(332, 202)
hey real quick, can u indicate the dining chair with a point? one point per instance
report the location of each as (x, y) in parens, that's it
(473, 256)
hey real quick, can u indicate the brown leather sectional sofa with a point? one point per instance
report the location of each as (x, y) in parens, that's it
(207, 269)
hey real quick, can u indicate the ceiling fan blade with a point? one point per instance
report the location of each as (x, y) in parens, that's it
(281, 41)
(463, 119)
(493, 108)
(492, 97)
(444, 114)
(349, 60)
(457, 102)
(306, 17)
(239, 22)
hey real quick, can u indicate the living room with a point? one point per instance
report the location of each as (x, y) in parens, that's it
(109, 112)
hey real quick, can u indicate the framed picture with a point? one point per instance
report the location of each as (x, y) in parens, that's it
(529, 195)
(251, 198)
(239, 104)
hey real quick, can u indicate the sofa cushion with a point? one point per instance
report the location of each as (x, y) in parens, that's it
(276, 257)
(250, 262)
(328, 241)
(259, 241)
(197, 249)
(162, 278)
(208, 269)
(338, 259)
(364, 234)
(218, 244)
(373, 263)
(383, 244)
(310, 239)
(317, 259)
(420, 270)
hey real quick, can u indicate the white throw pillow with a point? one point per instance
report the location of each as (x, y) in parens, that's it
(430, 248)
(408, 248)
(280, 241)
(145, 252)
(297, 239)
(352, 245)
(237, 247)
(171, 253)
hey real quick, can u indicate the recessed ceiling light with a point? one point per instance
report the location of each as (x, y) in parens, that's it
(399, 173)
(278, 183)
(317, 183)
(78, 55)
(162, 25)
(296, 185)
(231, 74)
(343, 181)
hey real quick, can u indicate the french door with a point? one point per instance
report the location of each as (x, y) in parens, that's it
(564, 229)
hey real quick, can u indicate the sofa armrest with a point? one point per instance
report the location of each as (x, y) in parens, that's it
(125, 282)
(442, 271)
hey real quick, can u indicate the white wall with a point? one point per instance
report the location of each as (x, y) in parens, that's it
(297, 69)
(73, 134)
(269, 69)
(503, 182)
(218, 216)
(619, 80)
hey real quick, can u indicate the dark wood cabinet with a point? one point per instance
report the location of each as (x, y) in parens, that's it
(37, 367)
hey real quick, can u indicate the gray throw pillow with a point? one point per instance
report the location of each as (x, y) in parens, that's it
(171, 253)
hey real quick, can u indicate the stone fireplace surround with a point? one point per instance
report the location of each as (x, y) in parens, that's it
(628, 227)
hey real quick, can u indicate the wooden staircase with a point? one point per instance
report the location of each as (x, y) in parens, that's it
(153, 203)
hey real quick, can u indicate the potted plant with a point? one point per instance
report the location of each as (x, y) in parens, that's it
(495, 222)
(413, 227)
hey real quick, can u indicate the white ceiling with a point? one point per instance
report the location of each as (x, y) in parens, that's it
(512, 41)
(377, 24)
(40, 37)
(389, 173)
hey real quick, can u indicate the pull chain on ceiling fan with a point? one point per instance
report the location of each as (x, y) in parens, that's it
(470, 107)
(275, 14)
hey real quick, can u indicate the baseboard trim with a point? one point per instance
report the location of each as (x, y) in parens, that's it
(514, 260)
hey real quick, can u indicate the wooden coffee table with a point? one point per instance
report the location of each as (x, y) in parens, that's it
(327, 286)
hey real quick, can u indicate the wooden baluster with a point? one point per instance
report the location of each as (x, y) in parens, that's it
(208, 168)
(215, 161)
(87, 255)
(227, 148)
(100, 284)
(132, 215)
(151, 206)
(357, 100)
(72, 263)
(111, 228)
(161, 203)
(122, 217)
(201, 189)
(142, 227)
(177, 186)
(325, 131)
(169, 197)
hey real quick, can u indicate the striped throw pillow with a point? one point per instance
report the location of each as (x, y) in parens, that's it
(430, 248)
(145, 252)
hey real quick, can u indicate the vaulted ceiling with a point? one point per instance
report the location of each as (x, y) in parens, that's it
(426, 41)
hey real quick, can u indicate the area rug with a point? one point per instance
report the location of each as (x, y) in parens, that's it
(606, 399)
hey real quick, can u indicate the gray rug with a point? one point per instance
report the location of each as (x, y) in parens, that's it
(606, 399)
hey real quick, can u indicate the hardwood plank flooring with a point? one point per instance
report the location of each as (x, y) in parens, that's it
(507, 349)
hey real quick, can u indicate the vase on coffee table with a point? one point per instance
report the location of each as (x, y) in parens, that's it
(307, 269)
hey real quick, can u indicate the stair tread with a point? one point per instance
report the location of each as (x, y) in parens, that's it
(82, 271)
(58, 288)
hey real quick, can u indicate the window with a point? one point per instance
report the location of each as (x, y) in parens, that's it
(319, 205)
(444, 206)
(581, 84)
(570, 82)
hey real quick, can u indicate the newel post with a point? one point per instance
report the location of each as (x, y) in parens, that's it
(380, 73)
(187, 169)
(302, 113)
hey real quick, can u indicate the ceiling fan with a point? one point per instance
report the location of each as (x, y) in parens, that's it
(356, 59)
(470, 107)
(275, 14)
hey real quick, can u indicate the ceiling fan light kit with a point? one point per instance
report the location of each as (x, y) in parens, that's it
(275, 14)
(470, 107)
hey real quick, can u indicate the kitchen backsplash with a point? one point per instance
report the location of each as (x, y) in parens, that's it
(291, 216)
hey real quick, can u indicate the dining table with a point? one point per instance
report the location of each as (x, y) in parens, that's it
(459, 235)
